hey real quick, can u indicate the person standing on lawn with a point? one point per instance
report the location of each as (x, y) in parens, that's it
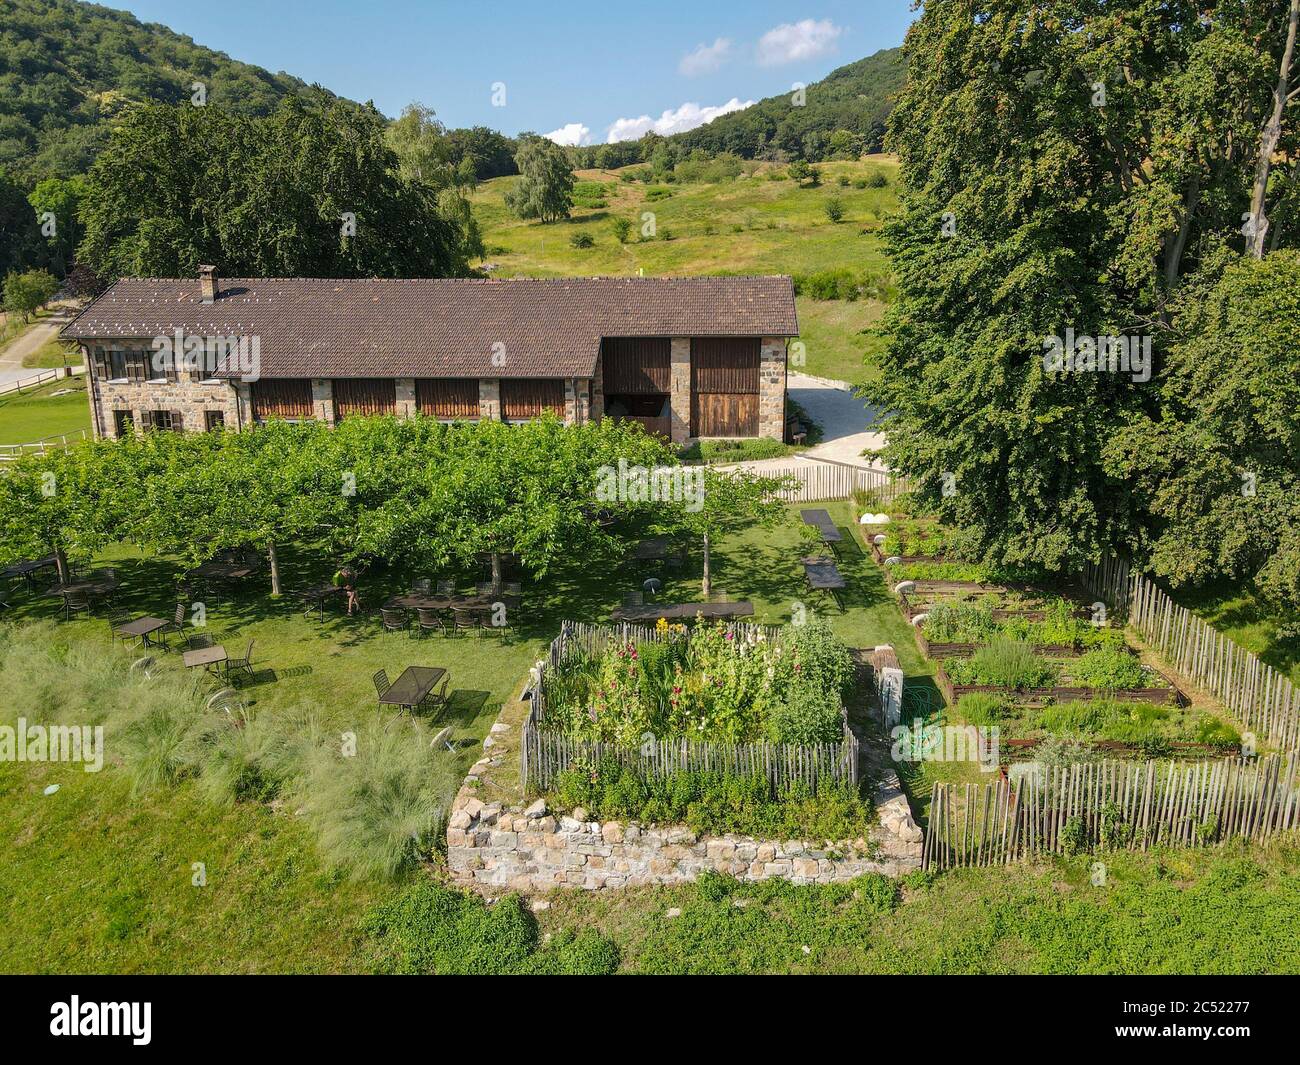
(346, 578)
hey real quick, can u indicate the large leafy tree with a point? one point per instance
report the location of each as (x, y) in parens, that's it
(530, 490)
(545, 187)
(306, 192)
(21, 244)
(1215, 469)
(1069, 164)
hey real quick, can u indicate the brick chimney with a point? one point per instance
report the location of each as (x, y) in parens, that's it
(208, 283)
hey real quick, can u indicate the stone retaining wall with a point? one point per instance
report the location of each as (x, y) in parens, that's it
(495, 847)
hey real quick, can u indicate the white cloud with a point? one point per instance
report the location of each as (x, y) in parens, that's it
(794, 41)
(688, 116)
(705, 59)
(574, 133)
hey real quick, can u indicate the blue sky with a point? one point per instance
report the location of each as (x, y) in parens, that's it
(584, 68)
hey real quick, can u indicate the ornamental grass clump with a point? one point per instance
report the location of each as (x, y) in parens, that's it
(377, 807)
(1003, 663)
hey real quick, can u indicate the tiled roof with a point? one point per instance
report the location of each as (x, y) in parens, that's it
(319, 327)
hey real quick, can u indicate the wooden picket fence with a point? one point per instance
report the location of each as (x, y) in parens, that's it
(1115, 805)
(1259, 697)
(819, 479)
(545, 753)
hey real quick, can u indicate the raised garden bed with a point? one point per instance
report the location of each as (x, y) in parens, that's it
(938, 650)
(1183, 748)
(1168, 694)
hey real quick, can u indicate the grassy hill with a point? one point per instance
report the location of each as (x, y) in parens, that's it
(758, 223)
(66, 68)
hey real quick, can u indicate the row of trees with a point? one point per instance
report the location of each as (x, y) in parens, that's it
(414, 493)
(1093, 171)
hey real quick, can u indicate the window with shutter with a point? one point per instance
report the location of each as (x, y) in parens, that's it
(117, 364)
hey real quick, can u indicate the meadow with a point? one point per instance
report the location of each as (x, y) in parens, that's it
(760, 222)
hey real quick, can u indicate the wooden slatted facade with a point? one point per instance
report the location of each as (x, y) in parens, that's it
(281, 398)
(364, 395)
(528, 398)
(725, 386)
(634, 366)
(448, 397)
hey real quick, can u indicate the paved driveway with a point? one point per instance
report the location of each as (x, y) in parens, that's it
(11, 358)
(849, 426)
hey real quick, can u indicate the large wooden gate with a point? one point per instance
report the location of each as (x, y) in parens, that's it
(364, 395)
(527, 398)
(281, 398)
(724, 386)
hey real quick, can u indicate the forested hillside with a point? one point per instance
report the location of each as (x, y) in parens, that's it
(858, 98)
(67, 68)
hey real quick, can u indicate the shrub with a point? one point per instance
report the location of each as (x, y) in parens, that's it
(708, 686)
(842, 181)
(622, 228)
(1109, 668)
(840, 283)
(374, 813)
(590, 194)
(657, 192)
(428, 928)
(1213, 731)
(582, 240)
(713, 803)
(834, 209)
(877, 179)
(380, 810)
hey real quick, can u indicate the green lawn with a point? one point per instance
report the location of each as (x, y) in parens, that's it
(751, 225)
(38, 413)
(1222, 911)
(1239, 613)
(836, 338)
(107, 873)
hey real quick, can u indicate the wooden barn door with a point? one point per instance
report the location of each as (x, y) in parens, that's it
(724, 386)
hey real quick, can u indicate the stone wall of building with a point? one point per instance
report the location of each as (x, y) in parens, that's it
(322, 399)
(771, 388)
(598, 390)
(680, 383)
(404, 390)
(189, 396)
(489, 399)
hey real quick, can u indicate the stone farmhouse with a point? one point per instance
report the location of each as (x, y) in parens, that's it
(687, 357)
